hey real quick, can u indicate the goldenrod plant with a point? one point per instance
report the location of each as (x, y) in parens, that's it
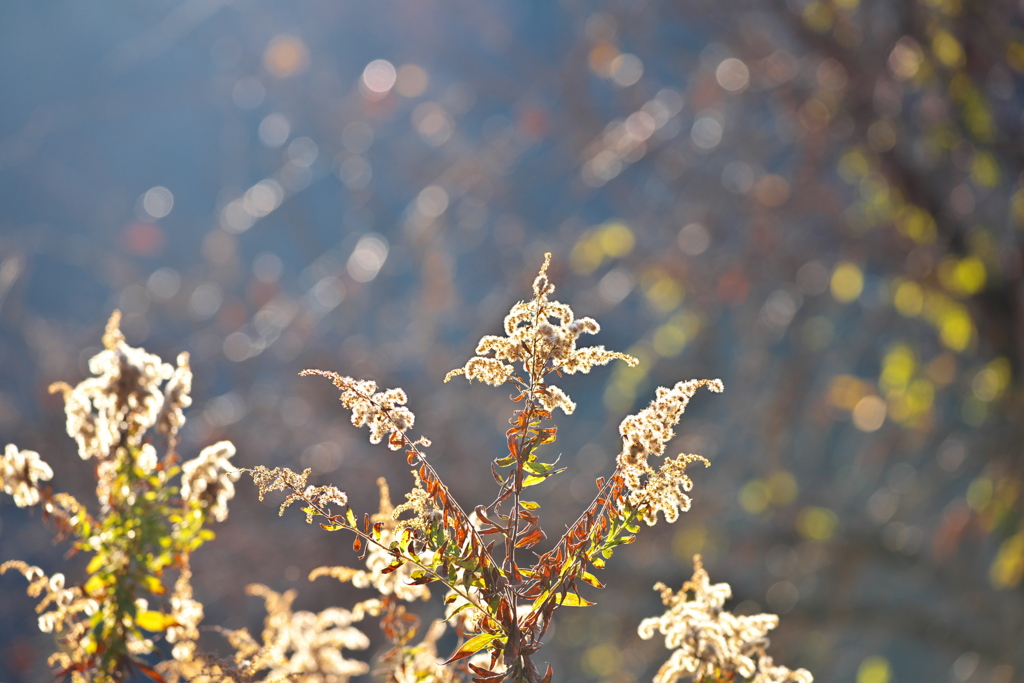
(152, 514)
(500, 601)
(500, 594)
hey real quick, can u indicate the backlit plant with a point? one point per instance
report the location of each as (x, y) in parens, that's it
(500, 593)
(149, 520)
(502, 602)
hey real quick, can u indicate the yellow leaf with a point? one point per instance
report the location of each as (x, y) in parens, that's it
(573, 600)
(154, 585)
(94, 586)
(94, 564)
(475, 644)
(155, 621)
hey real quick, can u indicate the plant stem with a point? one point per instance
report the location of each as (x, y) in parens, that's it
(341, 521)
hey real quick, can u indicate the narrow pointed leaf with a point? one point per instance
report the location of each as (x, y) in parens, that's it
(573, 600)
(474, 645)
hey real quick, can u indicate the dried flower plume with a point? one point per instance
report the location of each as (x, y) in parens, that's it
(648, 432)
(209, 479)
(124, 395)
(383, 412)
(541, 335)
(20, 474)
(707, 640)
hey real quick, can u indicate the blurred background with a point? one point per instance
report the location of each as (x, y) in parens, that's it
(819, 201)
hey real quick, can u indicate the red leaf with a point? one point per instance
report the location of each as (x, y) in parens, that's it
(531, 539)
(149, 672)
(485, 675)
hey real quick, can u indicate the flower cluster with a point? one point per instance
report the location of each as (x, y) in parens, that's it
(59, 605)
(284, 479)
(176, 398)
(421, 664)
(209, 479)
(383, 412)
(707, 640)
(187, 613)
(124, 395)
(542, 336)
(301, 645)
(647, 432)
(20, 474)
(308, 646)
(399, 581)
(665, 490)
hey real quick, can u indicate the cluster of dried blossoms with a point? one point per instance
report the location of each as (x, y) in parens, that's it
(146, 525)
(20, 474)
(710, 643)
(541, 335)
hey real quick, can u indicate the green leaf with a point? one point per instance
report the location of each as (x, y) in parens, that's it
(420, 578)
(332, 527)
(155, 621)
(460, 608)
(475, 644)
(351, 517)
(608, 547)
(529, 505)
(539, 467)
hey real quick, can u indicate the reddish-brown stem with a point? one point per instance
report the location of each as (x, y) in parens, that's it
(450, 503)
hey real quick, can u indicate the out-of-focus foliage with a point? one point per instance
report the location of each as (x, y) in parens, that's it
(145, 525)
(820, 202)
